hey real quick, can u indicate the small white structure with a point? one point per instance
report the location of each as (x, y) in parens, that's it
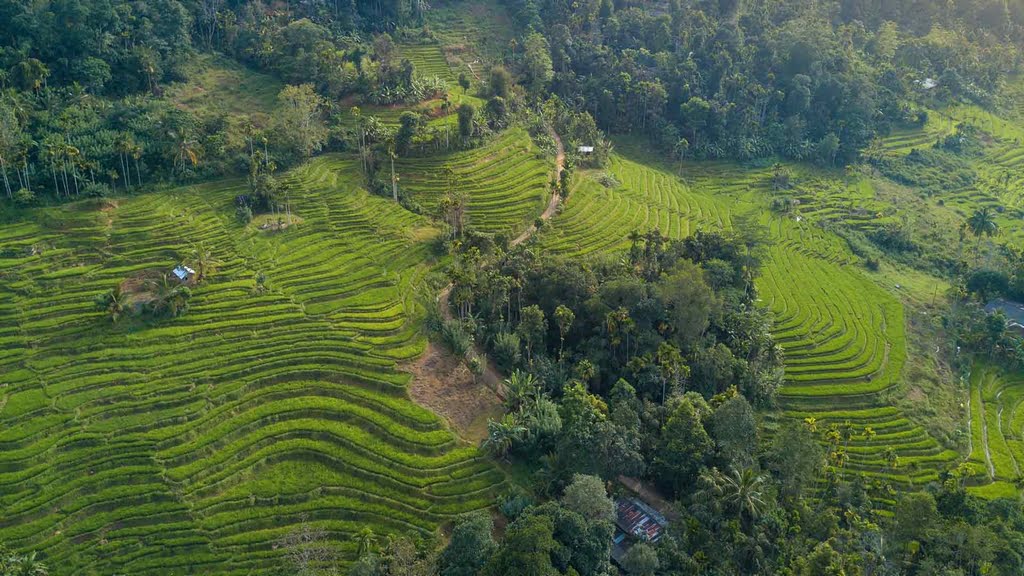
(928, 83)
(183, 273)
(586, 149)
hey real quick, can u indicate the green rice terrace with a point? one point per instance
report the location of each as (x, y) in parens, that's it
(506, 181)
(277, 398)
(843, 334)
(996, 429)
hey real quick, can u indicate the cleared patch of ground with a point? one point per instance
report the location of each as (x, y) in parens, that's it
(446, 386)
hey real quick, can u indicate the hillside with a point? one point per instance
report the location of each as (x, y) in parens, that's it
(489, 288)
(195, 443)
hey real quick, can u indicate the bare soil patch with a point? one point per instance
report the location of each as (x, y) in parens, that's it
(445, 385)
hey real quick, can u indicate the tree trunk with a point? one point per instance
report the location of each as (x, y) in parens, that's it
(124, 172)
(394, 182)
(7, 185)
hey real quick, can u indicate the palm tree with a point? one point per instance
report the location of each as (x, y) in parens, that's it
(982, 223)
(114, 303)
(170, 297)
(204, 260)
(502, 435)
(742, 490)
(186, 152)
(15, 565)
(892, 458)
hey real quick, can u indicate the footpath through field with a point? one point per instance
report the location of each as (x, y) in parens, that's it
(491, 376)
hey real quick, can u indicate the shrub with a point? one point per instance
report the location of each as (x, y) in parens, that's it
(24, 197)
(507, 350)
(243, 213)
(608, 180)
(456, 337)
(96, 190)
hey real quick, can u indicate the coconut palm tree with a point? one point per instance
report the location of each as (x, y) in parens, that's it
(367, 541)
(170, 297)
(204, 261)
(114, 303)
(741, 490)
(502, 435)
(744, 490)
(982, 223)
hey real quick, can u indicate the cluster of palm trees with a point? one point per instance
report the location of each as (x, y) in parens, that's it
(169, 297)
(21, 565)
(524, 403)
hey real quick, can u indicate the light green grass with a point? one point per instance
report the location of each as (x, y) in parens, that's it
(218, 84)
(191, 445)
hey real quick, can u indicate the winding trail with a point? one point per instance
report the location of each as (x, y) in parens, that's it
(555, 197)
(999, 419)
(984, 434)
(491, 376)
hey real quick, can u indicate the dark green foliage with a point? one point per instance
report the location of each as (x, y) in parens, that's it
(470, 546)
(466, 114)
(684, 448)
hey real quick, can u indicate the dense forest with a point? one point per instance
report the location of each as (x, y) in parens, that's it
(657, 360)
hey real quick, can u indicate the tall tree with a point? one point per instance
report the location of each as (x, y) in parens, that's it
(470, 546)
(300, 123)
(982, 223)
(10, 139)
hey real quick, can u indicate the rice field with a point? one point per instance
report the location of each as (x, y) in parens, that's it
(191, 445)
(429, 60)
(996, 429)
(843, 335)
(596, 218)
(507, 181)
(902, 141)
(845, 345)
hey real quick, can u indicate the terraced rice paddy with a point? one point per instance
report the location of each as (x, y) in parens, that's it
(845, 347)
(429, 61)
(904, 140)
(191, 445)
(828, 196)
(595, 218)
(999, 169)
(507, 181)
(843, 335)
(997, 430)
(474, 33)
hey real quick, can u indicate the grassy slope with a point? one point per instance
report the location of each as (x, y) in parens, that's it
(192, 444)
(219, 84)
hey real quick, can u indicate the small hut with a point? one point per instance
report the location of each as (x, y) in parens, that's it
(183, 273)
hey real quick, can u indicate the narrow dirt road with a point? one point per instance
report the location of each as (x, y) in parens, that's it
(491, 376)
(555, 197)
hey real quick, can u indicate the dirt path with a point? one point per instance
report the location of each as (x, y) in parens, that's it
(555, 197)
(433, 384)
(984, 435)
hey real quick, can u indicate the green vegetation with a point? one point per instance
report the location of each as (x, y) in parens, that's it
(195, 443)
(749, 260)
(505, 181)
(997, 436)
